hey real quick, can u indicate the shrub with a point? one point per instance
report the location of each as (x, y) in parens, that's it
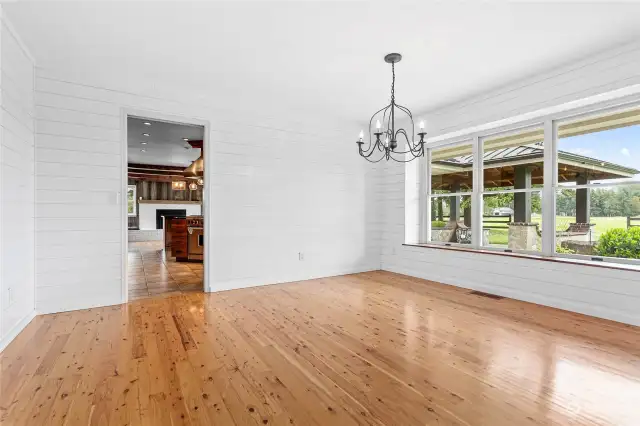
(564, 250)
(438, 223)
(619, 242)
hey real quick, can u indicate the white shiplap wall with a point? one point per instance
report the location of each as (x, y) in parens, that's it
(279, 186)
(607, 293)
(16, 184)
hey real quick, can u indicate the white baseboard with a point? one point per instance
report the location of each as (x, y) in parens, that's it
(4, 342)
(259, 282)
(539, 299)
(59, 307)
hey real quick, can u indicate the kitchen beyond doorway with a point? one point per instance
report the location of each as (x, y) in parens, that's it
(165, 207)
(152, 272)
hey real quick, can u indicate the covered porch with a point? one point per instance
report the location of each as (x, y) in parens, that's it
(517, 215)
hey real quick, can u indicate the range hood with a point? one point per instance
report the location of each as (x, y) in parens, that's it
(195, 169)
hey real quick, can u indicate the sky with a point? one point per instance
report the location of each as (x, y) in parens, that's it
(619, 146)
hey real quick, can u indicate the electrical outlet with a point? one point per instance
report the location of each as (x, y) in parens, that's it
(300, 255)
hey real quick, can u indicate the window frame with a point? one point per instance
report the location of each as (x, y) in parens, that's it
(135, 201)
(430, 195)
(481, 140)
(557, 123)
(549, 122)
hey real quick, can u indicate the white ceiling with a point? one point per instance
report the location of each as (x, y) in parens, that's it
(165, 145)
(321, 58)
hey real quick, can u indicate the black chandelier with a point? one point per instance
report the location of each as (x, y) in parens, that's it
(386, 138)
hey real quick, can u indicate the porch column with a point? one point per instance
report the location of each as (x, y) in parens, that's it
(454, 203)
(583, 212)
(522, 200)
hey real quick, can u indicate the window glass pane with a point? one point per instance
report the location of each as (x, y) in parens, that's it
(131, 199)
(599, 221)
(512, 220)
(451, 219)
(452, 169)
(514, 160)
(600, 150)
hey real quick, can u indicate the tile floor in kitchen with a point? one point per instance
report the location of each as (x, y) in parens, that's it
(151, 272)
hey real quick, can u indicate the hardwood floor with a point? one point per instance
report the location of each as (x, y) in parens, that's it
(367, 349)
(151, 272)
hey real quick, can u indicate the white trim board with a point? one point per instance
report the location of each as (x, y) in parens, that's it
(7, 22)
(13, 333)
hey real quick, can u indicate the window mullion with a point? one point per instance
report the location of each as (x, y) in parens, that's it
(549, 189)
(424, 173)
(476, 196)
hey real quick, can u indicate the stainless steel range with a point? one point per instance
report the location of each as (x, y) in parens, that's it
(195, 238)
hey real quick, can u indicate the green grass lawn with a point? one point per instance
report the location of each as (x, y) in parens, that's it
(601, 225)
(500, 237)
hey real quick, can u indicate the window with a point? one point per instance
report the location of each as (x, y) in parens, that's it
(513, 176)
(566, 187)
(450, 194)
(598, 194)
(131, 200)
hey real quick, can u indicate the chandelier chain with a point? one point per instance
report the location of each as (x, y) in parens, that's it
(393, 83)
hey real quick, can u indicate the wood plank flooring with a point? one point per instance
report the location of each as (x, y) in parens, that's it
(151, 272)
(367, 349)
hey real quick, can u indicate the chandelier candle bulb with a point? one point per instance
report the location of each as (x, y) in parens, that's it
(421, 125)
(378, 125)
(361, 135)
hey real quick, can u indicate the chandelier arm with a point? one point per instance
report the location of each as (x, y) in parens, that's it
(387, 118)
(374, 161)
(408, 112)
(371, 121)
(376, 113)
(414, 154)
(403, 161)
(413, 147)
(408, 152)
(384, 117)
(367, 154)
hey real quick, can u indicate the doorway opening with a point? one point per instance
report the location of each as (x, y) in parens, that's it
(165, 202)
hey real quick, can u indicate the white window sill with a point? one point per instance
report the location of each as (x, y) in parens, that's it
(557, 259)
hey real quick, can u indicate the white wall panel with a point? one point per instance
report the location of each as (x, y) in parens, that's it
(75, 157)
(280, 186)
(16, 184)
(78, 117)
(65, 143)
(63, 183)
(607, 293)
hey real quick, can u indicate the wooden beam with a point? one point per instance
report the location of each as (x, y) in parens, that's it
(154, 167)
(156, 178)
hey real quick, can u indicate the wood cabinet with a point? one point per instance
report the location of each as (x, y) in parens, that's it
(179, 247)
